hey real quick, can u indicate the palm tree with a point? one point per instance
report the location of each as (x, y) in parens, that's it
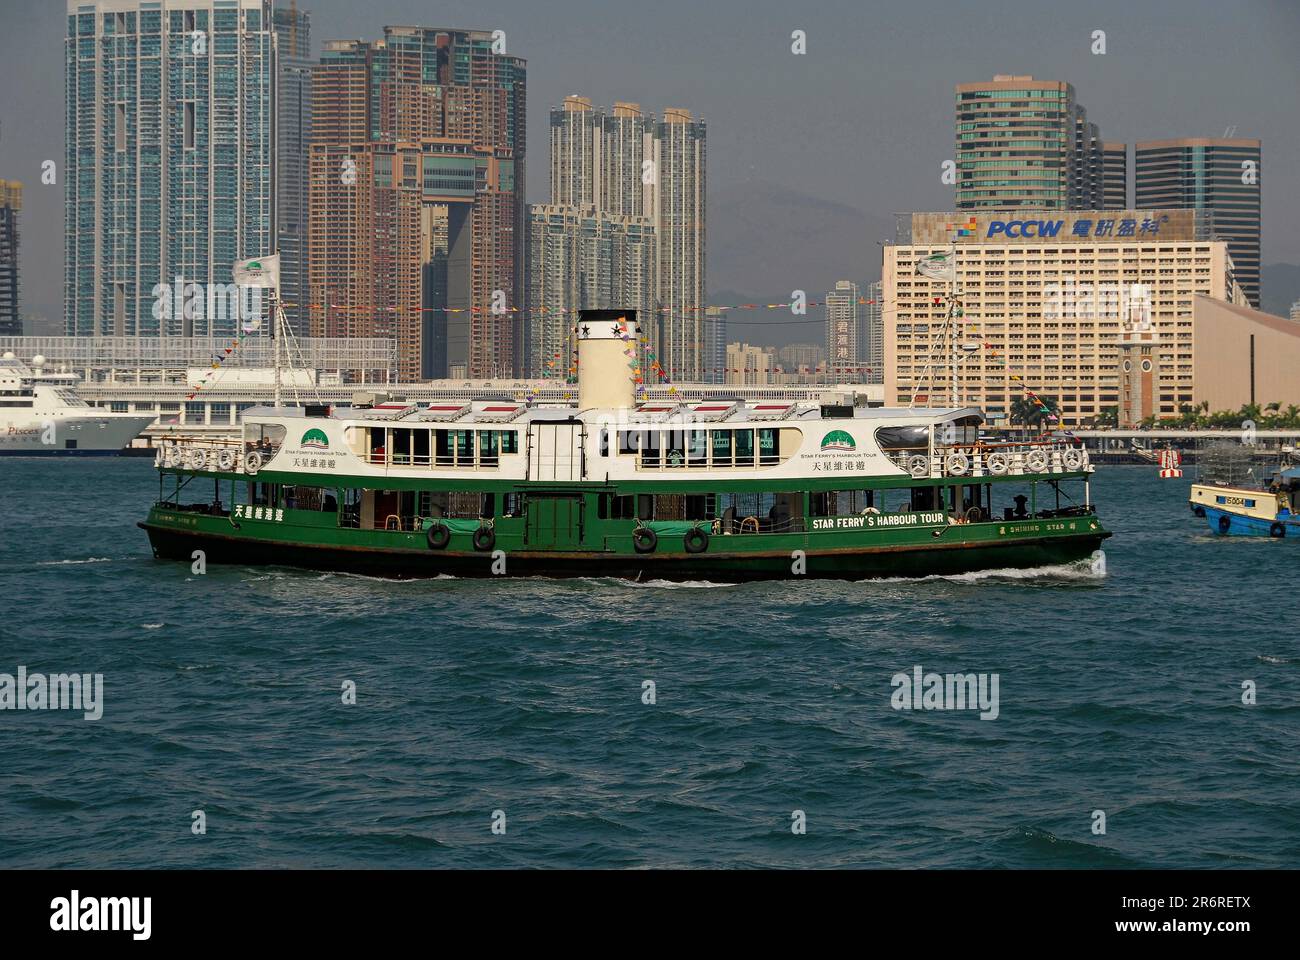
(1031, 413)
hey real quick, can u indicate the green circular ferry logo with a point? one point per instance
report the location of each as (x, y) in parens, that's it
(315, 439)
(838, 440)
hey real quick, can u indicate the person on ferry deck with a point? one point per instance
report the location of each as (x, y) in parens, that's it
(1020, 512)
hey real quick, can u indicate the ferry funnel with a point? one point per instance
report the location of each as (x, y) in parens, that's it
(604, 367)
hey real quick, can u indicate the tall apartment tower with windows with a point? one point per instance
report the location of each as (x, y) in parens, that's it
(1114, 158)
(292, 147)
(1023, 142)
(686, 347)
(168, 171)
(871, 340)
(11, 202)
(842, 332)
(1221, 176)
(416, 222)
(629, 187)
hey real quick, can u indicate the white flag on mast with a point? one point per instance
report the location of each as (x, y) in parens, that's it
(937, 266)
(258, 272)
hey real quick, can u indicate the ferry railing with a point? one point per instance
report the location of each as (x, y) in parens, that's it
(978, 460)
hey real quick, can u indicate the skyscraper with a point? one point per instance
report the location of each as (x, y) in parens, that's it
(624, 185)
(683, 330)
(842, 331)
(1023, 142)
(168, 165)
(292, 144)
(1220, 176)
(11, 201)
(1114, 176)
(582, 258)
(419, 138)
(871, 341)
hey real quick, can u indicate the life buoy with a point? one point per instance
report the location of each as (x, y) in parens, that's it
(438, 536)
(696, 540)
(1072, 458)
(974, 515)
(1225, 523)
(172, 458)
(1198, 510)
(485, 538)
(252, 461)
(226, 460)
(958, 464)
(998, 463)
(1036, 460)
(1277, 531)
(198, 459)
(644, 540)
(918, 466)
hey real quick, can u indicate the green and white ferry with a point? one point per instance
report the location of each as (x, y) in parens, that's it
(716, 490)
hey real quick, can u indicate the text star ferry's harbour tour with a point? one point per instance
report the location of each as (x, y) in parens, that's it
(720, 490)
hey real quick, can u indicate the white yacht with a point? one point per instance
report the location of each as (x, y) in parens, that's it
(41, 415)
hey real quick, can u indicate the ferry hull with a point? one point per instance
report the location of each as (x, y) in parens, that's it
(850, 562)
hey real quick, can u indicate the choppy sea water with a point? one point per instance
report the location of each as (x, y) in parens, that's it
(1119, 692)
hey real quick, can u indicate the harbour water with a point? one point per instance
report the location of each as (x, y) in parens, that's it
(1119, 692)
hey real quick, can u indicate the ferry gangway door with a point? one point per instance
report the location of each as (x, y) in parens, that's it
(554, 521)
(557, 450)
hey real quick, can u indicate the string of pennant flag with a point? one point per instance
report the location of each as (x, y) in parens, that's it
(562, 311)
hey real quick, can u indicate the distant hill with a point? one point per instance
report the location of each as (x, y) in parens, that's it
(1279, 284)
(766, 241)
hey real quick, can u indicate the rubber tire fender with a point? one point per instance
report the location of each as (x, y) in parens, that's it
(696, 540)
(438, 536)
(644, 540)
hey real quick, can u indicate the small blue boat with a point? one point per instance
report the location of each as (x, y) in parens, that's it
(1267, 510)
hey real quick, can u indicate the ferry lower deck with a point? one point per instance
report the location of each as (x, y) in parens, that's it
(743, 531)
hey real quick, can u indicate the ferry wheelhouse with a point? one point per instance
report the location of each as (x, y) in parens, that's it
(715, 490)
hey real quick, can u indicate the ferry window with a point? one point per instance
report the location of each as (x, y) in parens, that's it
(350, 515)
(674, 448)
(645, 506)
(310, 498)
(464, 447)
(629, 441)
(767, 451)
(510, 506)
(487, 448)
(721, 442)
(744, 448)
(487, 508)
(509, 441)
(700, 506)
(651, 446)
(420, 448)
(611, 507)
(697, 448)
(442, 452)
(401, 445)
(915, 437)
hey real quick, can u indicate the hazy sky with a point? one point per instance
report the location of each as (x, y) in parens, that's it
(864, 118)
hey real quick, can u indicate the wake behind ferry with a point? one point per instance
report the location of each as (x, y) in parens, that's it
(718, 490)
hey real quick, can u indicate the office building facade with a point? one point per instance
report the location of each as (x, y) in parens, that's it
(1023, 142)
(1220, 176)
(843, 332)
(1115, 175)
(11, 203)
(421, 136)
(292, 147)
(1047, 308)
(169, 154)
